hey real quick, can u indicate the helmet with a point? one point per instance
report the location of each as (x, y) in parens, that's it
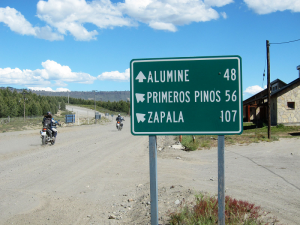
(49, 115)
(119, 114)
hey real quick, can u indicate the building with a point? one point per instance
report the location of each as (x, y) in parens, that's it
(284, 104)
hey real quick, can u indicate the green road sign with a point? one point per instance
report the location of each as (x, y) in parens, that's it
(198, 95)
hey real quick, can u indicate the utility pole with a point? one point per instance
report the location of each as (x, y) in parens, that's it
(24, 102)
(68, 97)
(269, 90)
(95, 99)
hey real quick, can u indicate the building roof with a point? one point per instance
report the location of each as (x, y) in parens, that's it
(286, 86)
(277, 81)
(264, 93)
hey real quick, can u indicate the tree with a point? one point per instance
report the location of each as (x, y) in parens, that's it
(63, 105)
(3, 108)
(34, 109)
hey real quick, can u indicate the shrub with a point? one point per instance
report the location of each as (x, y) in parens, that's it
(205, 212)
(189, 143)
(280, 126)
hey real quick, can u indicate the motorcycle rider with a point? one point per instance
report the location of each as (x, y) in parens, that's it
(52, 123)
(120, 119)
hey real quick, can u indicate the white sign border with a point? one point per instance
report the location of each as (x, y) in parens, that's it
(187, 132)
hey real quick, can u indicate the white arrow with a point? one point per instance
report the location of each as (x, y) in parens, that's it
(140, 97)
(140, 117)
(140, 77)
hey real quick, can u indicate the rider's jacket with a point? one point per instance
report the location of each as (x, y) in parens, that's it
(53, 122)
(119, 118)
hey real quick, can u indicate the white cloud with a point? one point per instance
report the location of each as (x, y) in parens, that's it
(163, 26)
(52, 72)
(253, 90)
(55, 71)
(115, 76)
(218, 3)
(17, 23)
(48, 89)
(21, 77)
(269, 6)
(167, 14)
(224, 15)
(69, 16)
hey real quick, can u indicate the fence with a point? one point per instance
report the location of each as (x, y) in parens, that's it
(19, 119)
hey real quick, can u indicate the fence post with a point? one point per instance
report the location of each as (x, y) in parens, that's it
(9, 119)
(78, 117)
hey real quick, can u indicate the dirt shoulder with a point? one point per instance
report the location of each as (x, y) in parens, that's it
(95, 174)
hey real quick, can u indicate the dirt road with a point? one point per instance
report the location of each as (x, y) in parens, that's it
(95, 172)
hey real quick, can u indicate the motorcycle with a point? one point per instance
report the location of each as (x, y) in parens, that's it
(47, 134)
(119, 125)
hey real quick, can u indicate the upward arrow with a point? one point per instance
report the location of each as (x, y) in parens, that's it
(140, 77)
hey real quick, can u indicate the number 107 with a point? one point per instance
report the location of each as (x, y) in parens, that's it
(227, 116)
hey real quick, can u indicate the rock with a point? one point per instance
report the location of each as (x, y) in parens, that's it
(178, 147)
(112, 217)
(212, 179)
(177, 202)
(178, 158)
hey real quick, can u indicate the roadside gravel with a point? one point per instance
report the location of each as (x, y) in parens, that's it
(95, 174)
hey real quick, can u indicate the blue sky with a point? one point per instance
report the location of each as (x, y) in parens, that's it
(81, 45)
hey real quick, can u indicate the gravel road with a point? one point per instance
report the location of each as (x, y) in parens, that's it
(83, 112)
(95, 172)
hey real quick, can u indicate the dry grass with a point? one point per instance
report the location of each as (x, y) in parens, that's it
(253, 135)
(205, 212)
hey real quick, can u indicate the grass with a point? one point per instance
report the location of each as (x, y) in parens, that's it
(250, 135)
(18, 123)
(205, 212)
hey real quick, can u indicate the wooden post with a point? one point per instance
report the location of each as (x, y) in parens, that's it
(269, 90)
(248, 113)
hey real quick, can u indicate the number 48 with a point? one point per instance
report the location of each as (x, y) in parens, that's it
(232, 74)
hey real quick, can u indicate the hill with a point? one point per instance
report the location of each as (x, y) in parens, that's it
(87, 95)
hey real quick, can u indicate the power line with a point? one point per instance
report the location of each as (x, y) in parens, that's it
(284, 42)
(264, 73)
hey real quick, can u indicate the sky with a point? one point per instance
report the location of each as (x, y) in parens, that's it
(87, 45)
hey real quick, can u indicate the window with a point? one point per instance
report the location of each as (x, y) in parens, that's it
(291, 105)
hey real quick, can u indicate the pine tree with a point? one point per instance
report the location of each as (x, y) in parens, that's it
(63, 105)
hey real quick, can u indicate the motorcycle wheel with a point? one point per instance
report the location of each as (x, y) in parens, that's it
(43, 140)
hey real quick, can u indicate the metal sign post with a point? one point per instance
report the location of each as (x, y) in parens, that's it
(221, 181)
(153, 179)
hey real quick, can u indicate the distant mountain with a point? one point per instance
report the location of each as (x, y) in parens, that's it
(87, 95)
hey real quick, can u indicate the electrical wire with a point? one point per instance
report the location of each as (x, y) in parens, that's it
(284, 42)
(264, 74)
